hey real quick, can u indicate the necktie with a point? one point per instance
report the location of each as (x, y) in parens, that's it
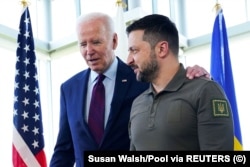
(97, 109)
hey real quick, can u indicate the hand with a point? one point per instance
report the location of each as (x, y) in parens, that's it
(196, 71)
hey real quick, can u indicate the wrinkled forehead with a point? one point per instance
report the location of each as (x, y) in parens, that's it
(92, 28)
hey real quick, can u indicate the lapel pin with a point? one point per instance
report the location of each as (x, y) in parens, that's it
(124, 80)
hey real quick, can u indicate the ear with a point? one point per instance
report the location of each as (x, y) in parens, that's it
(115, 41)
(162, 48)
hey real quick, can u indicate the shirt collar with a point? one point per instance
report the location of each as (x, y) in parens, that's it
(110, 73)
(177, 81)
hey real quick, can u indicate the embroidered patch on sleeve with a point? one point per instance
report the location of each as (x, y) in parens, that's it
(220, 108)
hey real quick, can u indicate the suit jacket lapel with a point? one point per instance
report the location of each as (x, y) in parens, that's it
(121, 87)
(82, 86)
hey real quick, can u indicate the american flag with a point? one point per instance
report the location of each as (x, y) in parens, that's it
(28, 142)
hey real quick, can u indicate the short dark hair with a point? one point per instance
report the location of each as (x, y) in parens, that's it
(157, 28)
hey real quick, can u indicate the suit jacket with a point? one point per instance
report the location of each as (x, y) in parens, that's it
(74, 136)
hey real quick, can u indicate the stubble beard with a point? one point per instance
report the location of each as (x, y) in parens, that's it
(149, 70)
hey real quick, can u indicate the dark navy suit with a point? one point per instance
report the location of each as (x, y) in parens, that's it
(74, 135)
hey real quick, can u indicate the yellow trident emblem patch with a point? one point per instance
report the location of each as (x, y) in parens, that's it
(220, 108)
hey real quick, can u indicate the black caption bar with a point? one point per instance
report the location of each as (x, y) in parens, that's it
(166, 158)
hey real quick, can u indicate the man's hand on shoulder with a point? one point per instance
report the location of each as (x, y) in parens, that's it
(196, 71)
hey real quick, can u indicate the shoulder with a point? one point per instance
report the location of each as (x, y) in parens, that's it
(204, 82)
(204, 88)
(80, 76)
(201, 82)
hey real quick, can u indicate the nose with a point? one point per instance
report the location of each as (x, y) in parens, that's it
(130, 59)
(89, 49)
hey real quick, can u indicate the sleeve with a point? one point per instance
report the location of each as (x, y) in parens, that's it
(63, 152)
(215, 123)
(132, 148)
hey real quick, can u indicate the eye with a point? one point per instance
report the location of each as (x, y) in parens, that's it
(133, 50)
(83, 44)
(96, 42)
